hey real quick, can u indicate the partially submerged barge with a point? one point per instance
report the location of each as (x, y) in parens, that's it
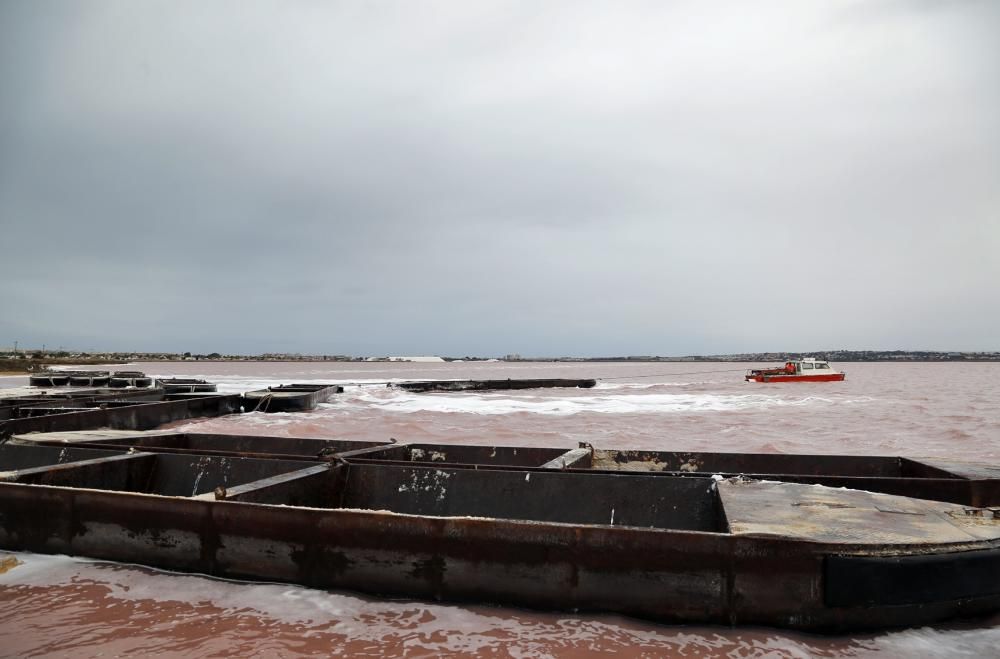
(290, 397)
(70, 378)
(75, 378)
(126, 409)
(675, 537)
(185, 385)
(494, 385)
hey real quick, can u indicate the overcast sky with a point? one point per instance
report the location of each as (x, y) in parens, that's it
(546, 178)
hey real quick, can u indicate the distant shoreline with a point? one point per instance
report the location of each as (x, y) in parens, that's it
(28, 362)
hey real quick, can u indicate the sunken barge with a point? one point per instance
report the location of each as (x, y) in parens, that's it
(493, 385)
(290, 397)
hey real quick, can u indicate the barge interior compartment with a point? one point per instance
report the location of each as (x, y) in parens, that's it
(304, 448)
(474, 456)
(90, 378)
(48, 379)
(164, 474)
(539, 495)
(925, 478)
(676, 463)
(123, 379)
(185, 385)
(72, 378)
(765, 463)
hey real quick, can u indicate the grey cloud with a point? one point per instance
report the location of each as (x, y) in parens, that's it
(565, 178)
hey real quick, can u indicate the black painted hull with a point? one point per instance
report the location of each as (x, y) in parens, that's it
(185, 386)
(289, 398)
(493, 385)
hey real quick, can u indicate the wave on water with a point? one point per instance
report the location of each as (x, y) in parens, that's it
(601, 385)
(398, 624)
(507, 403)
(107, 606)
(238, 384)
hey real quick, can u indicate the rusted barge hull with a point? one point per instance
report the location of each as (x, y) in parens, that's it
(488, 385)
(185, 385)
(10, 407)
(126, 414)
(289, 397)
(674, 549)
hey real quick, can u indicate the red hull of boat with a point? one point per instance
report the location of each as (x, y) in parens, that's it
(826, 377)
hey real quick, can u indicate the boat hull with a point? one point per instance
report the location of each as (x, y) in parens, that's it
(826, 377)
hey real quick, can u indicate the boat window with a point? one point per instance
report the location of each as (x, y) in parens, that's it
(806, 365)
(822, 366)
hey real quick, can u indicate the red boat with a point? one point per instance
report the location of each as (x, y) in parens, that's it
(797, 370)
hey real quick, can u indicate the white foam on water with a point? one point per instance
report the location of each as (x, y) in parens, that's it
(602, 385)
(269, 419)
(428, 627)
(930, 642)
(395, 400)
(442, 628)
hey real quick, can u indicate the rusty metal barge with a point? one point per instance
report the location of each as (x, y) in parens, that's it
(493, 385)
(125, 409)
(290, 397)
(75, 378)
(185, 385)
(675, 537)
(70, 378)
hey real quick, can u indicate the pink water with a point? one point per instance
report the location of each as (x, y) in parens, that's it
(70, 607)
